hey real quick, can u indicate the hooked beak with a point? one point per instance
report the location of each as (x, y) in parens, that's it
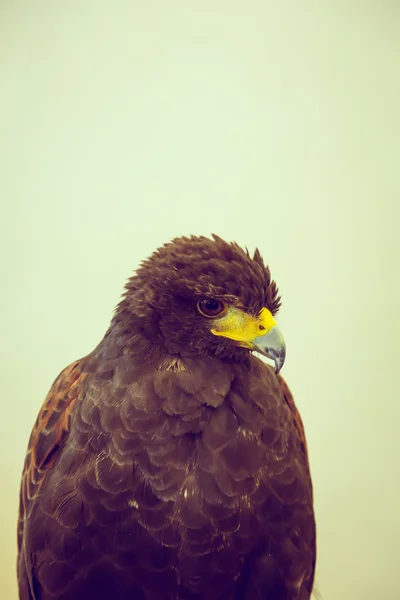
(245, 329)
(272, 345)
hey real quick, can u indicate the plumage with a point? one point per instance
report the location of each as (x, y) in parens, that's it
(171, 462)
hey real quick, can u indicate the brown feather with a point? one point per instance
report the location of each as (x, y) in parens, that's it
(167, 465)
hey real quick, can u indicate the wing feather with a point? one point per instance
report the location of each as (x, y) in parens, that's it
(48, 435)
(308, 580)
(297, 421)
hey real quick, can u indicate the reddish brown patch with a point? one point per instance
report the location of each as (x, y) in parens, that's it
(298, 423)
(51, 428)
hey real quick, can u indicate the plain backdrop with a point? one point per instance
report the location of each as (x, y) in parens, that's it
(275, 124)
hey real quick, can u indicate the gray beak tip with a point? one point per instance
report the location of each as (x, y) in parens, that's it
(272, 346)
(279, 360)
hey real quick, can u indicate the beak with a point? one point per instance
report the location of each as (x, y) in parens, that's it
(272, 345)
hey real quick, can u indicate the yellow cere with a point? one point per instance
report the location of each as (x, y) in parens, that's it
(242, 327)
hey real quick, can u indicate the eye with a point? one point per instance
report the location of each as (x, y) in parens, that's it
(210, 308)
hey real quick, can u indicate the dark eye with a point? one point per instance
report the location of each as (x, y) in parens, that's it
(210, 308)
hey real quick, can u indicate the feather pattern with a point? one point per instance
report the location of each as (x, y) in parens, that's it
(161, 476)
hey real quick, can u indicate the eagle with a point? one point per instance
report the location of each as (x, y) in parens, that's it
(171, 463)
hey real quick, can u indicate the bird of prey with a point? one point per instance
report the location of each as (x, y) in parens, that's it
(171, 462)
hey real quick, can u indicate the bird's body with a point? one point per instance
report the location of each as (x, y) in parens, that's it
(162, 470)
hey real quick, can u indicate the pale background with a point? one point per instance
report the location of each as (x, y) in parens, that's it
(275, 124)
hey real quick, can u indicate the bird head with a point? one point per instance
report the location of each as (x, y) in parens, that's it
(201, 296)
